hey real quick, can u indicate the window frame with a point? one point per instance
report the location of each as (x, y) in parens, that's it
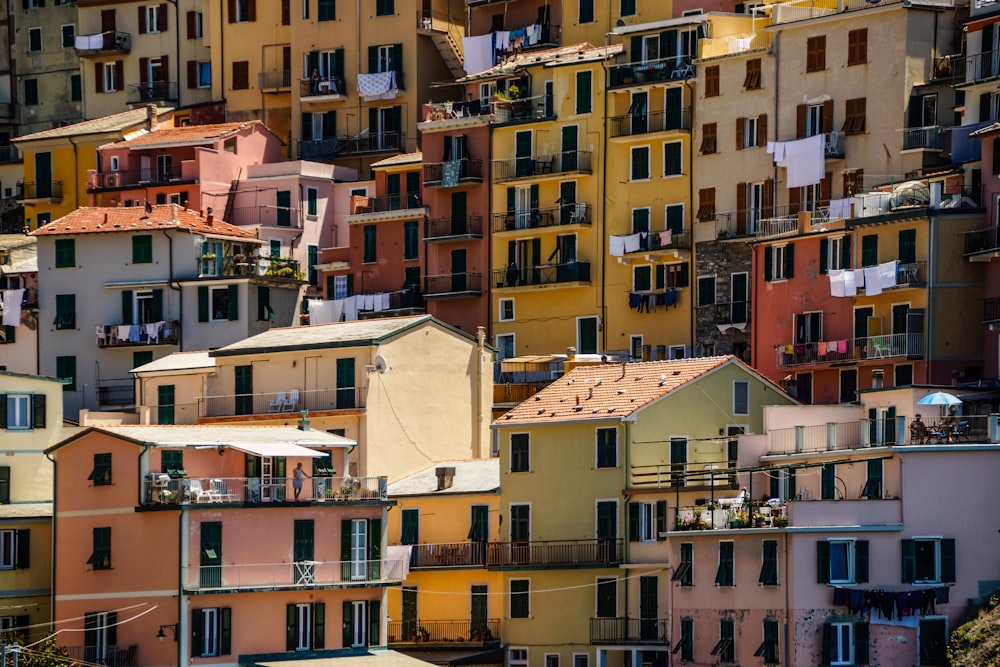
(520, 452)
(816, 53)
(837, 631)
(606, 453)
(725, 575)
(752, 80)
(25, 424)
(631, 168)
(505, 310)
(737, 397)
(100, 558)
(152, 19)
(522, 598)
(35, 30)
(679, 158)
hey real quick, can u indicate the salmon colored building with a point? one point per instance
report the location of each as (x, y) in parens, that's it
(173, 533)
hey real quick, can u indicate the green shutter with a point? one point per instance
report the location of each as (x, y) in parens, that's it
(319, 626)
(374, 622)
(890, 426)
(157, 305)
(768, 253)
(824, 252)
(845, 252)
(907, 246)
(828, 482)
(861, 562)
(22, 557)
(822, 562)
(37, 409)
(584, 101)
(909, 565)
(372, 59)
(225, 631)
(861, 641)
(375, 547)
(661, 519)
(633, 522)
(948, 561)
(348, 612)
(127, 306)
(291, 627)
(302, 545)
(827, 643)
(196, 628)
(234, 303)
(202, 303)
(345, 540)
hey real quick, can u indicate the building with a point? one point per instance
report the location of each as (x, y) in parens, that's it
(184, 282)
(248, 565)
(590, 468)
(19, 325)
(49, 89)
(449, 600)
(388, 384)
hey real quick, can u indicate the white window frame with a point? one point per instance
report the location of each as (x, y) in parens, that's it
(810, 197)
(211, 302)
(31, 31)
(305, 9)
(671, 175)
(837, 640)
(359, 633)
(850, 544)
(778, 262)
(635, 343)
(649, 169)
(581, 660)
(199, 25)
(505, 310)
(834, 252)
(743, 383)
(152, 19)
(209, 632)
(597, 321)
(672, 351)
(110, 82)
(240, 18)
(715, 289)
(650, 45)
(647, 521)
(667, 208)
(204, 67)
(551, 660)
(814, 119)
(750, 132)
(19, 412)
(303, 624)
(115, 164)
(517, 656)
(8, 549)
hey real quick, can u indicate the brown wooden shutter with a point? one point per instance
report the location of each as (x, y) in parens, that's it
(767, 209)
(192, 25)
(824, 189)
(741, 208)
(119, 75)
(800, 121)
(828, 116)
(162, 16)
(143, 71)
(192, 68)
(762, 130)
(252, 10)
(99, 77)
(286, 13)
(793, 200)
(165, 69)
(232, 11)
(142, 20)
(740, 133)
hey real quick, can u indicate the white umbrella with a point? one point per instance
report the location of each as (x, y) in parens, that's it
(940, 398)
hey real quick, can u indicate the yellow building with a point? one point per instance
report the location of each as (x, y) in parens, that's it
(30, 422)
(56, 161)
(444, 518)
(548, 185)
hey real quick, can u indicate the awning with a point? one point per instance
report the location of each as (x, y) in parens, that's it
(274, 449)
(538, 362)
(369, 658)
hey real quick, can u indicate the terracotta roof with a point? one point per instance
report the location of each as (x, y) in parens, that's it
(405, 158)
(188, 134)
(114, 122)
(609, 391)
(87, 220)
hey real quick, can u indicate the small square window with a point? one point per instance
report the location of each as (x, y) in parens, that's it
(68, 36)
(18, 412)
(100, 557)
(34, 40)
(101, 474)
(506, 310)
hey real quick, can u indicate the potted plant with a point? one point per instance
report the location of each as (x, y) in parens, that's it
(208, 255)
(780, 521)
(759, 520)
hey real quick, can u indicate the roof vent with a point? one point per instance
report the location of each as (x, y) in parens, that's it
(445, 477)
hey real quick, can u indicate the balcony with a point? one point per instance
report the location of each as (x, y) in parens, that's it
(949, 68)
(441, 230)
(888, 346)
(630, 631)
(324, 89)
(319, 149)
(35, 191)
(130, 178)
(991, 312)
(982, 66)
(732, 44)
(700, 475)
(236, 266)
(450, 174)
(447, 632)
(453, 285)
(655, 244)
(456, 554)
(154, 91)
(9, 154)
(779, 225)
(982, 244)
(677, 68)
(654, 121)
(291, 576)
(274, 80)
(562, 553)
(130, 335)
(117, 393)
(268, 404)
(379, 142)
(522, 110)
(406, 204)
(542, 274)
(576, 213)
(797, 10)
(438, 111)
(160, 489)
(932, 137)
(114, 655)
(833, 146)
(723, 516)
(107, 43)
(534, 166)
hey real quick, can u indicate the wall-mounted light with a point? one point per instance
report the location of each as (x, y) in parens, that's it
(161, 635)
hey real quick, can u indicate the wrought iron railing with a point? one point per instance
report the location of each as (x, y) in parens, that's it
(865, 347)
(322, 87)
(469, 170)
(467, 631)
(932, 137)
(160, 488)
(153, 91)
(447, 227)
(113, 655)
(653, 121)
(274, 79)
(263, 403)
(45, 190)
(599, 552)
(651, 71)
(454, 554)
(116, 392)
(538, 165)
(104, 42)
(542, 274)
(982, 240)
(629, 630)
(576, 213)
(289, 576)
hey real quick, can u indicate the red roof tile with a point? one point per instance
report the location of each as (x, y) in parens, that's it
(87, 220)
(113, 123)
(188, 134)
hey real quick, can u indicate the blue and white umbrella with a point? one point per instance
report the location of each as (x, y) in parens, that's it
(940, 398)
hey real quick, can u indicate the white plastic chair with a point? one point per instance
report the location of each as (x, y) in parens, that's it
(579, 215)
(278, 404)
(102, 335)
(291, 402)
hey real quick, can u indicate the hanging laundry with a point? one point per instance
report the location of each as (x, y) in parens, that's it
(633, 243)
(887, 272)
(873, 284)
(837, 282)
(377, 85)
(840, 209)
(616, 246)
(450, 173)
(12, 307)
(386, 302)
(666, 238)
(351, 308)
(337, 310)
(320, 312)
(478, 53)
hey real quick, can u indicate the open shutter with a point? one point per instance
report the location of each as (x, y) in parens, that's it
(23, 555)
(872, 425)
(825, 189)
(348, 638)
(126, 306)
(162, 19)
(225, 631)
(740, 133)
(768, 252)
(822, 562)
(192, 74)
(633, 522)
(319, 626)
(37, 410)
(232, 19)
(909, 565)
(196, 628)
(789, 260)
(119, 75)
(142, 19)
(845, 252)
(99, 77)
(827, 643)
(156, 307)
(800, 121)
(233, 292)
(345, 554)
(252, 10)
(824, 255)
(374, 622)
(375, 548)
(144, 72)
(767, 209)
(111, 631)
(291, 630)
(741, 208)
(861, 561)
(948, 561)
(861, 639)
(793, 200)
(635, 50)
(762, 130)
(192, 25)
(3, 408)
(661, 519)
(202, 303)
(828, 116)
(372, 59)
(890, 425)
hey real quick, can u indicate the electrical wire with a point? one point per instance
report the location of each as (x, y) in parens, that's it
(560, 589)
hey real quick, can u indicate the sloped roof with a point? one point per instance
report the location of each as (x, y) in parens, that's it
(396, 160)
(477, 476)
(187, 134)
(178, 361)
(23, 253)
(112, 123)
(610, 391)
(87, 220)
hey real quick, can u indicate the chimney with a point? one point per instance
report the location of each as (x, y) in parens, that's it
(208, 219)
(805, 220)
(570, 353)
(151, 117)
(481, 335)
(303, 421)
(445, 477)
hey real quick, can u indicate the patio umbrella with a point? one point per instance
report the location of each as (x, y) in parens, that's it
(940, 398)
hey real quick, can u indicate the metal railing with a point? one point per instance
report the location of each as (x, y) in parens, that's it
(882, 432)
(651, 71)
(982, 65)
(931, 137)
(404, 201)
(453, 283)
(447, 227)
(274, 79)
(264, 403)
(727, 516)
(455, 554)
(950, 67)
(161, 489)
(698, 474)
(542, 274)
(103, 43)
(274, 267)
(47, 190)
(486, 630)
(796, 10)
(469, 170)
(322, 87)
(119, 392)
(128, 335)
(288, 576)
(561, 553)
(867, 347)
(576, 213)
(113, 655)
(991, 311)
(538, 165)
(98, 180)
(982, 240)
(629, 630)
(816, 438)
(653, 121)
(523, 109)
(372, 143)
(154, 91)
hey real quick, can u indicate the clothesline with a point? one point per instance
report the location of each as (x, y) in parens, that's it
(620, 245)
(846, 282)
(888, 605)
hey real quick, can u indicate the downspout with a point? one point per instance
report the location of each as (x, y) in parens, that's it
(177, 47)
(182, 546)
(172, 284)
(76, 170)
(788, 608)
(602, 197)
(691, 270)
(52, 572)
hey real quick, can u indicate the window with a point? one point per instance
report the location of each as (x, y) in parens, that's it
(345, 383)
(5, 485)
(223, 303)
(65, 311)
(75, 89)
(706, 204)
(506, 310)
(305, 624)
(607, 597)
(326, 10)
(751, 132)
(816, 53)
(834, 253)
(142, 249)
(928, 560)
(769, 566)
(854, 121)
(195, 25)
(245, 10)
(15, 549)
(519, 452)
(165, 404)
(828, 481)
(585, 11)
(241, 75)
(672, 159)
(584, 88)
(172, 463)
(305, 10)
(581, 660)
(706, 291)
(768, 648)
(712, 81)
(411, 239)
(109, 76)
(22, 411)
(211, 631)
(845, 643)
(853, 182)
(100, 558)
(857, 47)
(31, 91)
(741, 397)
(627, 7)
(725, 575)
(640, 163)
(519, 598)
(65, 253)
(607, 448)
(904, 375)
(154, 17)
(932, 636)
(685, 644)
(66, 370)
(842, 561)
(101, 474)
(709, 138)
(370, 252)
(312, 201)
(34, 40)
(869, 250)
(642, 522)
(410, 529)
(551, 660)
(752, 79)
(726, 647)
(684, 573)
(778, 262)
(201, 74)
(384, 7)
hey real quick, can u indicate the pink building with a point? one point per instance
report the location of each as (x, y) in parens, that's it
(198, 536)
(193, 165)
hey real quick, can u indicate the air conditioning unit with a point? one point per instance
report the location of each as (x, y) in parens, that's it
(111, 180)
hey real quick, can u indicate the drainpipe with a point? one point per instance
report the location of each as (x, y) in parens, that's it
(76, 170)
(691, 269)
(172, 284)
(52, 572)
(602, 197)
(177, 50)
(180, 632)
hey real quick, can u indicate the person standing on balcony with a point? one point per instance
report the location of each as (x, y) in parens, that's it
(297, 474)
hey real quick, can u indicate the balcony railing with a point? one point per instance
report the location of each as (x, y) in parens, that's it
(116, 393)
(372, 143)
(457, 284)
(104, 43)
(9, 154)
(48, 190)
(289, 576)
(991, 311)
(933, 137)
(654, 121)
(796, 10)
(455, 554)
(542, 274)
(443, 229)
(274, 79)
(114, 655)
(576, 213)
(101, 180)
(404, 201)
(562, 553)
(212, 266)
(983, 65)
(128, 335)
(629, 630)
(487, 630)
(729, 516)
(651, 71)
(982, 240)
(522, 110)
(869, 347)
(154, 91)
(161, 489)
(540, 165)
(816, 438)
(700, 474)
(322, 88)
(732, 44)
(467, 170)
(268, 403)
(949, 68)
(833, 145)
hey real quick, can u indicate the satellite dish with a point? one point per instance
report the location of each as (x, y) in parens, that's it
(380, 364)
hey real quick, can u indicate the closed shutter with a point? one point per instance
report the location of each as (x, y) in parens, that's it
(372, 68)
(822, 562)
(861, 562)
(633, 522)
(661, 519)
(741, 208)
(233, 292)
(762, 130)
(119, 75)
(156, 307)
(845, 252)
(828, 116)
(319, 626)
(143, 72)
(202, 303)
(800, 121)
(252, 10)
(374, 622)
(225, 631)
(740, 133)
(142, 19)
(126, 306)
(192, 73)
(99, 77)
(768, 253)
(348, 623)
(861, 640)
(824, 253)
(292, 629)
(22, 558)
(635, 49)
(3, 410)
(37, 410)
(767, 209)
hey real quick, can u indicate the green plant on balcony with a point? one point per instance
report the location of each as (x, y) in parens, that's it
(780, 521)
(208, 256)
(759, 520)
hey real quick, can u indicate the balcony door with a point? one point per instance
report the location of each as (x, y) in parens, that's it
(210, 570)
(409, 620)
(522, 154)
(43, 175)
(459, 214)
(638, 113)
(607, 528)
(520, 537)
(479, 610)
(458, 268)
(648, 596)
(570, 143)
(100, 631)
(243, 388)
